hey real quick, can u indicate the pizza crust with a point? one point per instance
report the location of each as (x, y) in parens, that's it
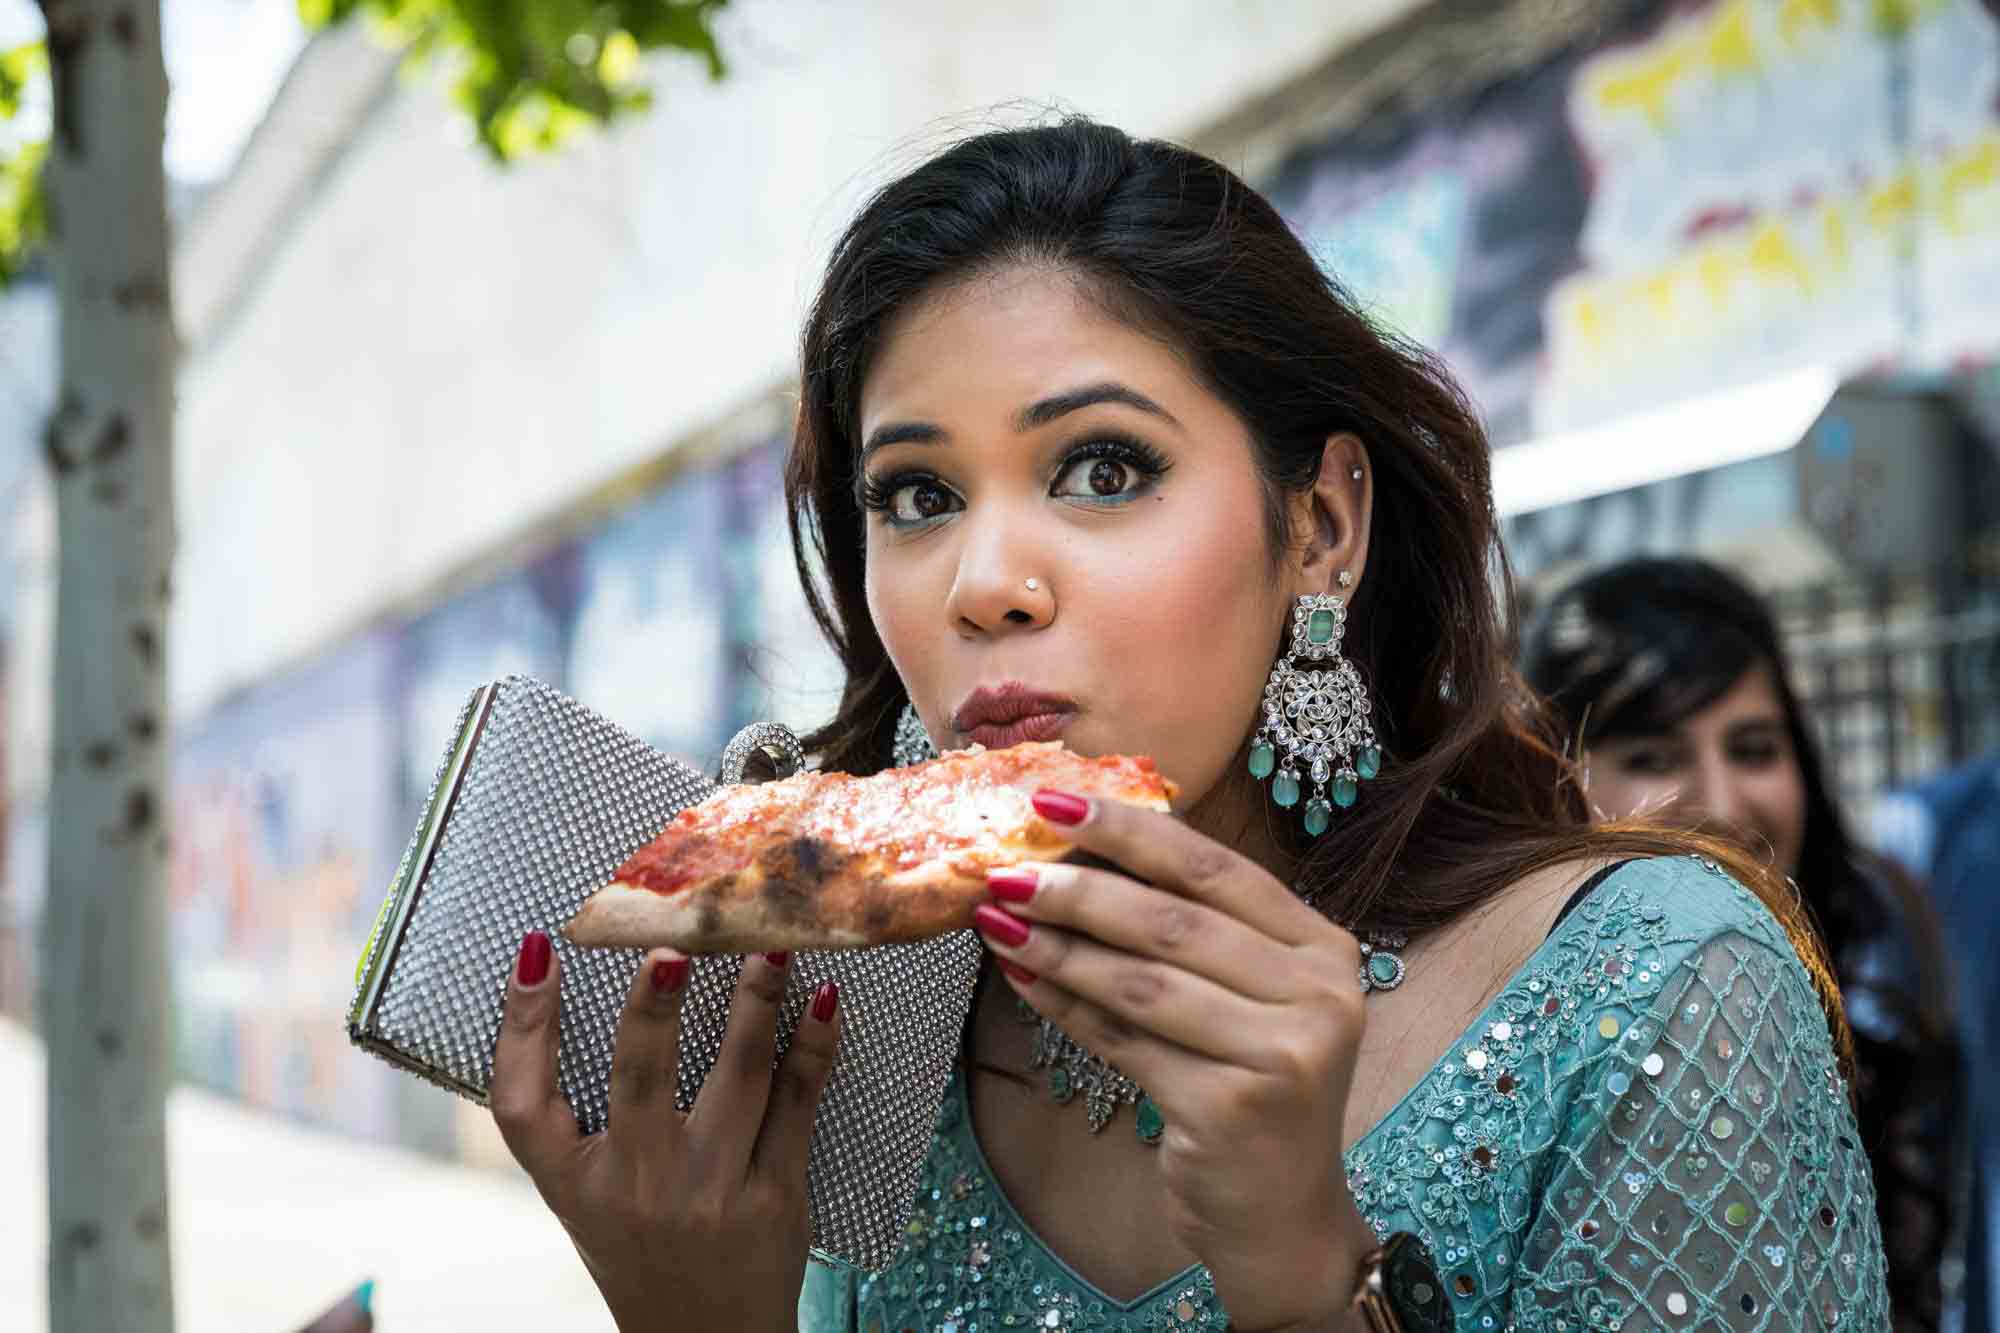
(815, 890)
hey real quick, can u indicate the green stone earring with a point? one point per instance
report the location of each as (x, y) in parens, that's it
(1316, 722)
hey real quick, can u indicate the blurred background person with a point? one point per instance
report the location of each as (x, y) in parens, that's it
(1674, 685)
(1946, 829)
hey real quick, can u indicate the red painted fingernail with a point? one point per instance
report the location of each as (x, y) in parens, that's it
(668, 974)
(778, 959)
(1061, 808)
(1010, 931)
(533, 964)
(1016, 971)
(825, 1000)
(1013, 885)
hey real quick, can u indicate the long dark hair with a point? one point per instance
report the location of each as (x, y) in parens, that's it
(1636, 648)
(1473, 793)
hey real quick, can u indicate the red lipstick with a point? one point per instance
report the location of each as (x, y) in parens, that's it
(998, 716)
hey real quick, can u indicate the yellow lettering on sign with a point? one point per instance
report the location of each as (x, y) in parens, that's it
(1833, 229)
(1659, 292)
(1793, 15)
(1731, 49)
(1588, 316)
(1975, 169)
(1717, 267)
(1772, 255)
(1889, 203)
(1647, 84)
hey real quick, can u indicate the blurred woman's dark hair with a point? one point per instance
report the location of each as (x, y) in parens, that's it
(1637, 648)
(1474, 793)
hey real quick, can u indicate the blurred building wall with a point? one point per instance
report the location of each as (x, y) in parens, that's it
(441, 422)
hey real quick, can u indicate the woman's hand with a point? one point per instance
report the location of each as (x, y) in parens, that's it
(1239, 1010)
(694, 1223)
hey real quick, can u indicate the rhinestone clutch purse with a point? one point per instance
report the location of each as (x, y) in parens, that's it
(536, 802)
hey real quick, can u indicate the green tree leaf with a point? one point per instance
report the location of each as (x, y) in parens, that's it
(531, 73)
(23, 215)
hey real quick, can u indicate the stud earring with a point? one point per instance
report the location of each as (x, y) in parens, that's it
(1318, 718)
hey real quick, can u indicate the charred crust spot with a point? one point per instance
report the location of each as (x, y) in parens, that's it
(794, 872)
(146, 643)
(150, 1224)
(876, 918)
(143, 726)
(138, 810)
(109, 1043)
(100, 754)
(124, 28)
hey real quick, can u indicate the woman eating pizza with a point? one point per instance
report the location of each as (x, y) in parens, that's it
(1374, 1029)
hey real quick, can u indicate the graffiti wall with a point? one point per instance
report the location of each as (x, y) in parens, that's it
(678, 617)
(1703, 195)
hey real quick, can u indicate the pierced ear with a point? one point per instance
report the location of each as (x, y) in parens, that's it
(1334, 518)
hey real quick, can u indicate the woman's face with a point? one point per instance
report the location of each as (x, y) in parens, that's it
(1067, 533)
(1730, 767)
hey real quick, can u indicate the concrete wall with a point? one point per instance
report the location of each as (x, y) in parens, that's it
(440, 352)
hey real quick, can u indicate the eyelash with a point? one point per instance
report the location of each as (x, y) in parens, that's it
(878, 494)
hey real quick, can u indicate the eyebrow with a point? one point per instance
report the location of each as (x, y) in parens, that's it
(1034, 415)
(1090, 395)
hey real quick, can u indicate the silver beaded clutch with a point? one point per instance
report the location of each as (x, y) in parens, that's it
(536, 802)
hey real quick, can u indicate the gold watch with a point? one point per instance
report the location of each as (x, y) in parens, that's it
(1397, 1289)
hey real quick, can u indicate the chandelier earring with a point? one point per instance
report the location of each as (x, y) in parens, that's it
(1316, 727)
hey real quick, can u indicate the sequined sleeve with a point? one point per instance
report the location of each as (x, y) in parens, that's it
(1708, 1174)
(826, 1299)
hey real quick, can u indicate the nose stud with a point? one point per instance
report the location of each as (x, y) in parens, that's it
(1034, 585)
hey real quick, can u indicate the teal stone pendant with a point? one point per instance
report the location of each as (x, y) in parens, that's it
(1060, 1086)
(1381, 965)
(1318, 816)
(1316, 743)
(1152, 1123)
(1263, 761)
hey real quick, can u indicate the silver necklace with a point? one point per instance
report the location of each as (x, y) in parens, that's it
(1074, 1071)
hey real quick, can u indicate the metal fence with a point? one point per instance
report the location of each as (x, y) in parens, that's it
(1901, 675)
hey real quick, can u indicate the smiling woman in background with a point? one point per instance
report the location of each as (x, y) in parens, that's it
(1673, 673)
(1090, 446)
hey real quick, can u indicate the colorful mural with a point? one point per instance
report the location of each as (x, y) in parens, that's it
(286, 815)
(294, 799)
(1703, 195)
(1778, 184)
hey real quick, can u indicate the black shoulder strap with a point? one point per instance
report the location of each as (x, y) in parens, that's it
(1589, 887)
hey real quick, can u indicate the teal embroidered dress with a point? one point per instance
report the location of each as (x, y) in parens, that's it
(1645, 1130)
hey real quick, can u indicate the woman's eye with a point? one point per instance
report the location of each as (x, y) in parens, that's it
(918, 501)
(1096, 478)
(1647, 762)
(1754, 754)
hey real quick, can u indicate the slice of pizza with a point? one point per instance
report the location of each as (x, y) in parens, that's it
(829, 861)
